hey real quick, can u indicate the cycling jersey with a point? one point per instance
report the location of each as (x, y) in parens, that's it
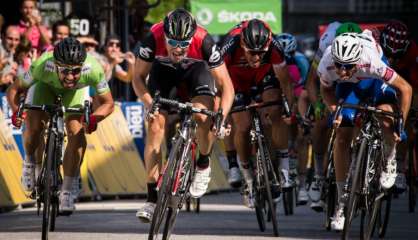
(44, 70)
(242, 75)
(407, 66)
(370, 66)
(298, 66)
(202, 47)
(326, 39)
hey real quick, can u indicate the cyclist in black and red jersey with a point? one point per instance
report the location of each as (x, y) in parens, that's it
(402, 54)
(177, 53)
(253, 58)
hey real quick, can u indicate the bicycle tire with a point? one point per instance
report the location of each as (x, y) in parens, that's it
(386, 210)
(54, 214)
(331, 202)
(170, 221)
(260, 207)
(164, 193)
(288, 201)
(356, 182)
(46, 181)
(411, 180)
(372, 220)
(264, 155)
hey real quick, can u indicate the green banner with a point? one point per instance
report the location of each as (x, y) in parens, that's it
(219, 16)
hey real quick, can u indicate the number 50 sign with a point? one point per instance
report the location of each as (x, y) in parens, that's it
(80, 27)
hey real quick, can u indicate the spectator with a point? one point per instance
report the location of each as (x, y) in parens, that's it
(24, 55)
(60, 30)
(30, 26)
(115, 57)
(91, 45)
(8, 65)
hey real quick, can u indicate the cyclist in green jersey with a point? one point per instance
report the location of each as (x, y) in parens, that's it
(68, 72)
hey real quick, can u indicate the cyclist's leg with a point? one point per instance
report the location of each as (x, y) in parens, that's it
(201, 87)
(279, 140)
(162, 79)
(344, 135)
(32, 135)
(302, 144)
(385, 99)
(242, 124)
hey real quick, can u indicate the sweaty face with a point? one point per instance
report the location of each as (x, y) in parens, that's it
(68, 75)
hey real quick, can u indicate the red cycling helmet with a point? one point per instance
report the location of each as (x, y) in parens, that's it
(395, 39)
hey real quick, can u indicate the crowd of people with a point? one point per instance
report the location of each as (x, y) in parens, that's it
(25, 42)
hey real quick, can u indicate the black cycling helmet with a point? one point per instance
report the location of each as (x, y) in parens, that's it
(179, 25)
(70, 51)
(256, 35)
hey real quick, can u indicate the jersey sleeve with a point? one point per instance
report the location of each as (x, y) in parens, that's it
(145, 50)
(97, 78)
(34, 73)
(322, 71)
(277, 57)
(211, 52)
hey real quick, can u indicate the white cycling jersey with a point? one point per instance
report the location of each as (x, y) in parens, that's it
(326, 39)
(370, 65)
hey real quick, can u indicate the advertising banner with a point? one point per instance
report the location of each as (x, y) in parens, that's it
(135, 114)
(219, 16)
(17, 133)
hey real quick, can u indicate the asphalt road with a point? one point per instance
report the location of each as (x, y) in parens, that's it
(222, 217)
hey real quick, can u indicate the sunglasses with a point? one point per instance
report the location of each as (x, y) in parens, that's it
(344, 66)
(255, 52)
(176, 43)
(68, 70)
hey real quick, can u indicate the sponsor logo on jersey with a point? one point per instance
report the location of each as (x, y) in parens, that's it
(215, 56)
(388, 74)
(86, 68)
(27, 78)
(49, 66)
(102, 85)
(145, 52)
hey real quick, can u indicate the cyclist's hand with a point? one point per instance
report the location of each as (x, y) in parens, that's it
(92, 126)
(153, 112)
(338, 121)
(287, 120)
(224, 130)
(17, 121)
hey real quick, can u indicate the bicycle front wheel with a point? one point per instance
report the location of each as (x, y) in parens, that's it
(46, 189)
(164, 192)
(355, 188)
(264, 157)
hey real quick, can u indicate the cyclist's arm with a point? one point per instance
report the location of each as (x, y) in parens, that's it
(142, 69)
(13, 92)
(224, 84)
(328, 95)
(282, 73)
(311, 81)
(106, 106)
(406, 94)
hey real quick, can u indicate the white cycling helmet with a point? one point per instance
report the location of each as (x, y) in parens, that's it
(346, 48)
(287, 42)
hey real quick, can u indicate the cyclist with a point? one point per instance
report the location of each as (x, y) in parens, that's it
(402, 54)
(320, 125)
(298, 66)
(253, 57)
(179, 53)
(351, 71)
(67, 71)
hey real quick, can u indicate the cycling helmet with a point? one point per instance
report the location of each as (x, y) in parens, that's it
(287, 42)
(348, 27)
(346, 48)
(70, 51)
(395, 38)
(256, 35)
(179, 25)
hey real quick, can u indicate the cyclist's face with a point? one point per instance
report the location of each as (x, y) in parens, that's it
(177, 50)
(69, 75)
(253, 57)
(345, 72)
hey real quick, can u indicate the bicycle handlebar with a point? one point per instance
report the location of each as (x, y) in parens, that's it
(255, 106)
